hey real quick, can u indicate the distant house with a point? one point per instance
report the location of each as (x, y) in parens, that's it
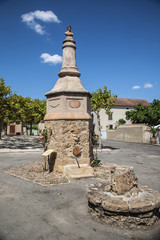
(24, 129)
(119, 110)
(15, 129)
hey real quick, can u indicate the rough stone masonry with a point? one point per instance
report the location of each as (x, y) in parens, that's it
(122, 201)
(68, 118)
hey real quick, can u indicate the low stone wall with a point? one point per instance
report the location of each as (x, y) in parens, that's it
(135, 213)
(65, 135)
(123, 202)
(130, 133)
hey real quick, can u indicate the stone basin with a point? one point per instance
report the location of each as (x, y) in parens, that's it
(138, 207)
(73, 171)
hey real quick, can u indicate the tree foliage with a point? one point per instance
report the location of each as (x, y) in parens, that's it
(155, 105)
(102, 99)
(16, 109)
(121, 121)
(145, 114)
(33, 111)
(5, 92)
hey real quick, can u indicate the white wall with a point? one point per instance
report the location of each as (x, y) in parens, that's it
(130, 133)
(118, 112)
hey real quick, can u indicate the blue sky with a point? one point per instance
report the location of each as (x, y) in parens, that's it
(118, 45)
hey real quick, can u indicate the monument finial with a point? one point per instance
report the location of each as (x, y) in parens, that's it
(68, 32)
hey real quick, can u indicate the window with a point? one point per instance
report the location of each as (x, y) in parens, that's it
(110, 117)
(110, 126)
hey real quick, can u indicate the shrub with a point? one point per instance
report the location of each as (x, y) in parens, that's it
(121, 121)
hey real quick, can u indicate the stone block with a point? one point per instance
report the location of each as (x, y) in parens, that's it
(123, 179)
(140, 205)
(114, 204)
(94, 197)
(72, 171)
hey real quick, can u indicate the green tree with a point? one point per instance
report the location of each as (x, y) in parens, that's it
(102, 98)
(140, 114)
(155, 105)
(15, 109)
(145, 114)
(5, 92)
(33, 111)
(11, 106)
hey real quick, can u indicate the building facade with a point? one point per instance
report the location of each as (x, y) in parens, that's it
(118, 112)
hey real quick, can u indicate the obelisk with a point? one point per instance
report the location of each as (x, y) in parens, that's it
(68, 116)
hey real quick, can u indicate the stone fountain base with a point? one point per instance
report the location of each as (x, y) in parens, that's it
(65, 135)
(122, 202)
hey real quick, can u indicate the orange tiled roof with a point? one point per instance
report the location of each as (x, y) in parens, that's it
(131, 102)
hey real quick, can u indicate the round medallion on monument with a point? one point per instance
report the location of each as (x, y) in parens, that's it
(75, 104)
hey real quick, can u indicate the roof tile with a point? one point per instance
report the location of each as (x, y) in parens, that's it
(131, 102)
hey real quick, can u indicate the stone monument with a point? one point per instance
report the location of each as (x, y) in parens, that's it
(68, 118)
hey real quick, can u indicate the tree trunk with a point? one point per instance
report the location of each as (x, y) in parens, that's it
(30, 128)
(99, 127)
(1, 127)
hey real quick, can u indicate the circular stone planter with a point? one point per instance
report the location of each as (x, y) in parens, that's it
(130, 210)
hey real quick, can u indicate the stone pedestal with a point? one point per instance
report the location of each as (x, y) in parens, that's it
(65, 136)
(68, 118)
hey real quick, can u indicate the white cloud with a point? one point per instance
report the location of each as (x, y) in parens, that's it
(136, 87)
(47, 16)
(148, 85)
(47, 58)
(38, 28)
(30, 19)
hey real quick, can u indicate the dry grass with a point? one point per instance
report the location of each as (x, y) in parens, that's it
(34, 172)
(103, 171)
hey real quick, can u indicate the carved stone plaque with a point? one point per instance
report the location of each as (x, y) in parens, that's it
(75, 104)
(54, 102)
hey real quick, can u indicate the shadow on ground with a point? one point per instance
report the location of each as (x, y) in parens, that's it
(20, 142)
(109, 147)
